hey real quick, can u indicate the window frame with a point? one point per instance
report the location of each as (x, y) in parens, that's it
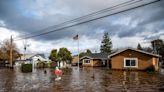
(136, 62)
(85, 62)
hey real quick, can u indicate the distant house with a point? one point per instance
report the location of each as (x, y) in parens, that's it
(31, 58)
(74, 60)
(94, 59)
(133, 59)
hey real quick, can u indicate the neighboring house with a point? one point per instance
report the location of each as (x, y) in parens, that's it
(133, 59)
(37, 58)
(24, 58)
(94, 59)
(31, 58)
(74, 60)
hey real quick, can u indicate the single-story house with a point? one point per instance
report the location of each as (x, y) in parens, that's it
(75, 59)
(94, 59)
(31, 58)
(133, 59)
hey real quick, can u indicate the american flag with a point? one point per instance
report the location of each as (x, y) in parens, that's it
(76, 37)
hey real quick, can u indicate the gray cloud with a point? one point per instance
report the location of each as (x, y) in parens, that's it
(34, 15)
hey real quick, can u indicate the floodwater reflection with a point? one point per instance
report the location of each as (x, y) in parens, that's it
(80, 80)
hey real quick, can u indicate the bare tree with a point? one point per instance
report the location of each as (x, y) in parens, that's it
(5, 51)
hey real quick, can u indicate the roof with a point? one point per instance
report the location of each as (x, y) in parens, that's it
(137, 50)
(29, 56)
(42, 55)
(96, 56)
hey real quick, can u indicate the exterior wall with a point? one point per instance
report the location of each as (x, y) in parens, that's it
(88, 64)
(155, 63)
(144, 60)
(93, 62)
(75, 60)
(97, 62)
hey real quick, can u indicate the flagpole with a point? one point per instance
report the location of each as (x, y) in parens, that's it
(77, 39)
(78, 52)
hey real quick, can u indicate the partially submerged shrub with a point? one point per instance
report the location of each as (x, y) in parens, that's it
(42, 65)
(150, 69)
(26, 68)
(52, 64)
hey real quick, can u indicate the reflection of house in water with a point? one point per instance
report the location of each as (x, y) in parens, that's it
(131, 78)
(34, 59)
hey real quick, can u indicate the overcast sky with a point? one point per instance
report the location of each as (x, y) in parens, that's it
(18, 17)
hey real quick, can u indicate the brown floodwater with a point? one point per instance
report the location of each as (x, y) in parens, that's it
(81, 80)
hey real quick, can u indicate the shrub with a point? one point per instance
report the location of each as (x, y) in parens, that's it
(52, 64)
(42, 65)
(26, 68)
(150, 69)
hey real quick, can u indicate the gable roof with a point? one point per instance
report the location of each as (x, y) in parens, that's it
(42, 55)
(137, 50)
(30, 56)
(96, 56)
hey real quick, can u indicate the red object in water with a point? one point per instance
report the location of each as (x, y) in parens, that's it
(57, 72)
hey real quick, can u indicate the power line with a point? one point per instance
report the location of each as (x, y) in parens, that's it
(85, 16)
(90, 20)
(74, 20)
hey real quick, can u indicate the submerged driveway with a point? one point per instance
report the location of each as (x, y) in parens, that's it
(82, 80)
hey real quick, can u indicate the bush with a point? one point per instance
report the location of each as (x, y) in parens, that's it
(42, 65)
(150, 69)
(26, 68)
(52, 64)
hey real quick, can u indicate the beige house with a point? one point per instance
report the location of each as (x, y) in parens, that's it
(75, 60)
(94, 59)
(133, 59)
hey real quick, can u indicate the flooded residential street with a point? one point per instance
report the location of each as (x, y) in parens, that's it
(83, 80)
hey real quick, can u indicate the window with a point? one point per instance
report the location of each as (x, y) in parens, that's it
(86, 61)
(130, 62)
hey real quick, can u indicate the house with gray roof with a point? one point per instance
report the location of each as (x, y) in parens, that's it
(134, 59)
(94, 59)
(31, 58)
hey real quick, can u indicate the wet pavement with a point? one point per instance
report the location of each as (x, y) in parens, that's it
(82, 80)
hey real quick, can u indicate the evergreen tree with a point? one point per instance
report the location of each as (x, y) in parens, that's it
(106, 44)
(139, 47)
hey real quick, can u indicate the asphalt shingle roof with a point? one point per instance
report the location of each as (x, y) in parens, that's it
(97, 55)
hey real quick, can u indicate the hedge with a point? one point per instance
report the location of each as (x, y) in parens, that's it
(26, 68)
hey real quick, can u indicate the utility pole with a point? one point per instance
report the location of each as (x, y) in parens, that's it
(11, 52)
(25, 44)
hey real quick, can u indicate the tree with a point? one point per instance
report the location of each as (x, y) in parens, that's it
(88, 51)
(54, 55)
(106, 44)
(5, 51)
(65, 55)
(148, 49)
(139, 47)
(82, 54)
(157, 45)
